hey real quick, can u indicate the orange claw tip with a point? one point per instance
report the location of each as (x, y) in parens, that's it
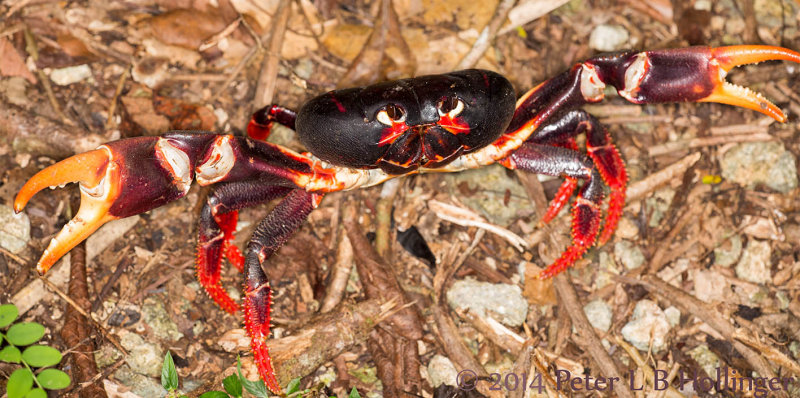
(88, 168)
(732, 56)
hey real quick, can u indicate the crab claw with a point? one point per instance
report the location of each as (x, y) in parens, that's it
(97, 176)
(117, 180)
(698, 74)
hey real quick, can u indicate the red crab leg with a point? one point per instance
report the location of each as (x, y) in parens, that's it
(261, 122)
(215, 232)
(270, 235)
(553, 160)
(565, 191)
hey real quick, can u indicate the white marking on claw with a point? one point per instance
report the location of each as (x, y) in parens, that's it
(591, 85)
(176, 162)
(219, 163)
(634, 76)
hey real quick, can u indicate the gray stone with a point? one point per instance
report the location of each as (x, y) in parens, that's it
(501, 301)
(648, 325)
(599, 314)
(15, 230)
(139, 384)
(607, 37)
(491, 184)
(144, 357)
(753, 163)
(754, 266)
(155, 315)
(629, 255)
(442, 371)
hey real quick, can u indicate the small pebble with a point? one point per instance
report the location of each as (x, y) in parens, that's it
(607, 38)
(442, 371)
(754, 266)
(648, 325)
(599, 314)
(145, 357)
(628, 254)
(70, 74)
(760, 163)
(15, 230)
(503, 302)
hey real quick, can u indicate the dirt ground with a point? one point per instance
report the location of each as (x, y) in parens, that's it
(702, 278)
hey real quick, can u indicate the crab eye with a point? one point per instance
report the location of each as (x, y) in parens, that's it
(391, 114)
(450, 106)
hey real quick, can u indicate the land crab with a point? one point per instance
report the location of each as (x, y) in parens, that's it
(360, 137)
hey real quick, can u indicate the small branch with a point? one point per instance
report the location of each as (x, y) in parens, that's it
(265, 90)
(588, 339)
(487, 35)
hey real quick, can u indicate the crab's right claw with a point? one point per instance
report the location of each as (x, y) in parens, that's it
(118, 180)
(98, 178)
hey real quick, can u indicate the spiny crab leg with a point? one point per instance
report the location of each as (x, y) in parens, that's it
(96, 175)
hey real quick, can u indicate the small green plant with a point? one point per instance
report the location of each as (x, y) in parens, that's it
(35, 376)
(234, 385)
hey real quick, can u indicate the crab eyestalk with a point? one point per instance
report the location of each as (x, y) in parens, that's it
(96, 176)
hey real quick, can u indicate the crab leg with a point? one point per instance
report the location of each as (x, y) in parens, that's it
(215, 232)
(271, 234)
(261, 122)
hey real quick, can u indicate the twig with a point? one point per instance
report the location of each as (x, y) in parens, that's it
(588, 339)
(340, 274)
(76, 327)
(670, 392)
(663, 149)
(112, 107)
(466, 218)
(639, 189)
(80, 310)
(487, 35)
(265, 90)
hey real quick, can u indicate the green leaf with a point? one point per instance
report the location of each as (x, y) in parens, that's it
(354, 393)
(25, 333)
(10, 354)
(53, 379)
(257, 388)
(41, 356)
(36, 393)
(169, 376)
(19, 383)
(214, 394)
(293, 387)
(232, 385)
(8, 313)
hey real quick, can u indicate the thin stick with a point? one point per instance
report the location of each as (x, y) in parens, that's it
(487, 35)
(268, 77)
(588, 339)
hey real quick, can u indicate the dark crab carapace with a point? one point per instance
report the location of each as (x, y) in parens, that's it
(363, 136)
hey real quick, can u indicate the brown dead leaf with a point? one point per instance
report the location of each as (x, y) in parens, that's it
(139, 116)
(183, 115)
(73, 46)
(184, 27)
(12, 63)
(537, 291)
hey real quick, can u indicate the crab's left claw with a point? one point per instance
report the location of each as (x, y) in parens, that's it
(96, 175)
(698, 74)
